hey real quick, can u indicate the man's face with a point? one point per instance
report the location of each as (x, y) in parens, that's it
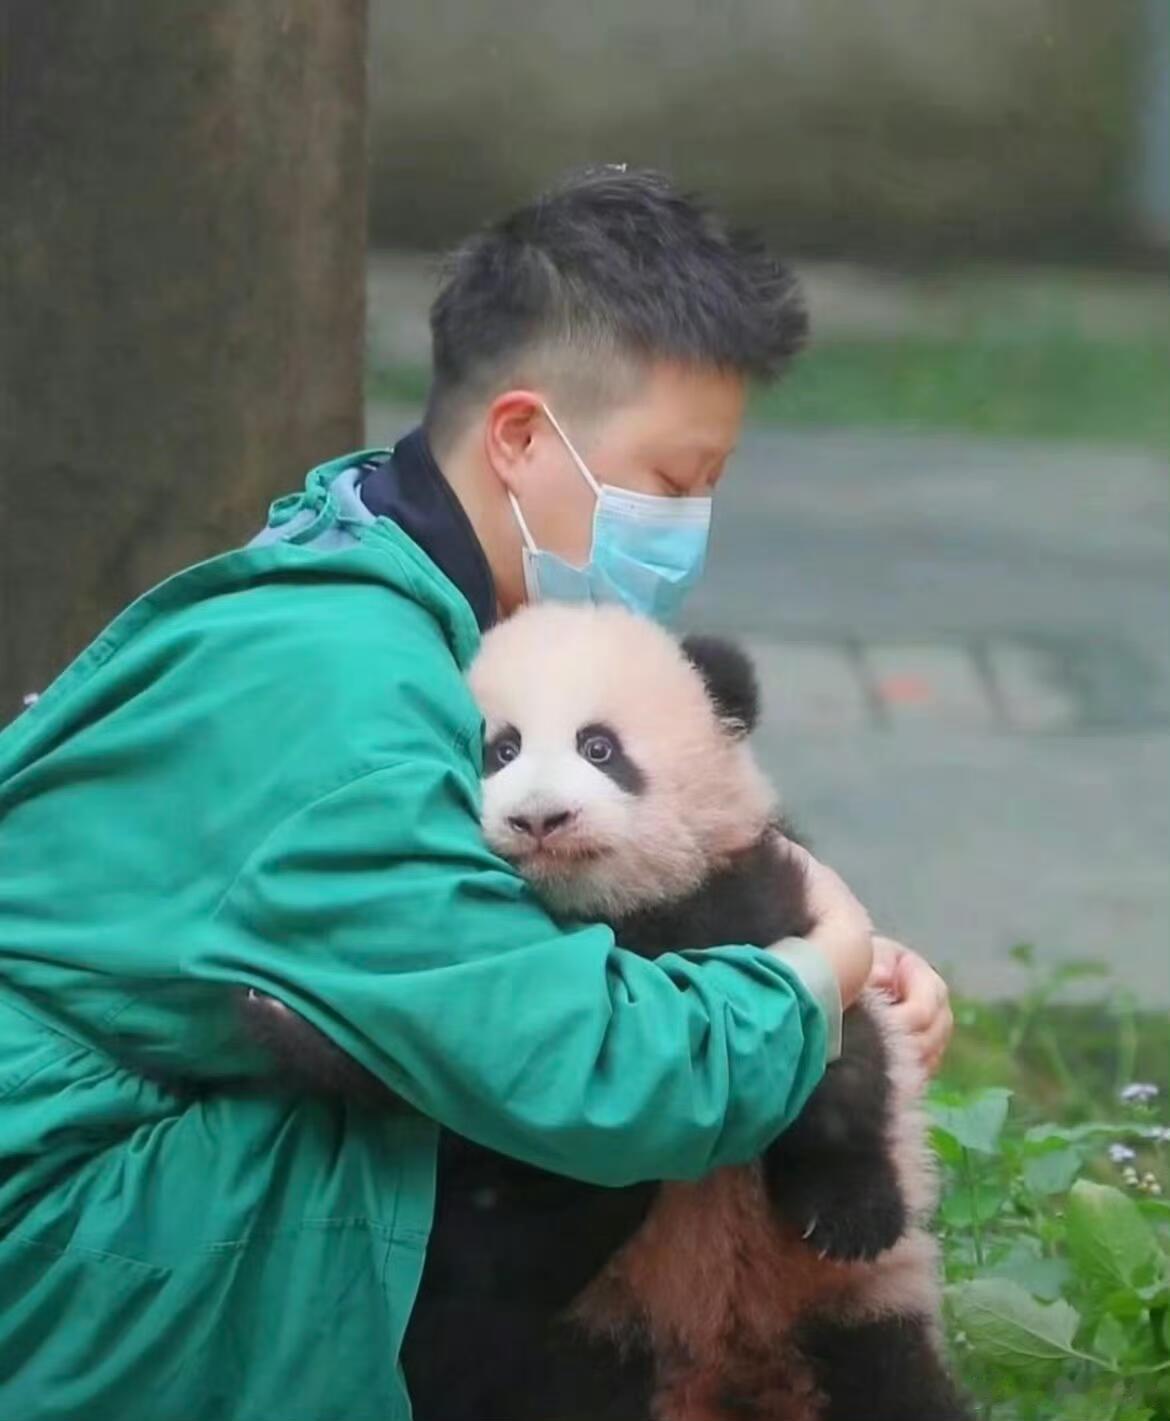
(672, 438)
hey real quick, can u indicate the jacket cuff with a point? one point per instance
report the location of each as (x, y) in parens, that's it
(812, 967)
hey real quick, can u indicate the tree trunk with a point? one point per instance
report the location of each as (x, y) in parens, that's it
(182, 243)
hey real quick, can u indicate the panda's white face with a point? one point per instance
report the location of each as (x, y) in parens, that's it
(609, 779)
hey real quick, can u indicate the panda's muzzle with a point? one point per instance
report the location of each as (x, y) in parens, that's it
(541, 826)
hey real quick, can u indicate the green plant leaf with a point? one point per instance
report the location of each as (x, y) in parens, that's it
(1079, 967)
(1051, 1166)
(975, 1121)
(1156, 1209)
(946, 1147)
(1076, 1134)
(1111, 1340)
(1007, 1325)
(1127, 1303)
(963, 1206)
(1044, 1278)
(1110, 1242)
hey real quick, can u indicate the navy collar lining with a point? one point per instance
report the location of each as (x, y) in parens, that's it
(409, 488)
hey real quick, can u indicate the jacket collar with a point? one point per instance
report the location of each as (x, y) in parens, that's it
(408, 487)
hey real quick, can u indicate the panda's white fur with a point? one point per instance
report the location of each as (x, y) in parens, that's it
(709, 1251)
(549, 670)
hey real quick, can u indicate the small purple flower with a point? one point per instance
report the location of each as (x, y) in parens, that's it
(1159, 1133)
(1139, 1093)
(1119, 1154)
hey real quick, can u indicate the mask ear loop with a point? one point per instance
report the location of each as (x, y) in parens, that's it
(529, 540)
(525, 531)
(577, 459)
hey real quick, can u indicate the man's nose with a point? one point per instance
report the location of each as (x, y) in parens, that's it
(540, 826)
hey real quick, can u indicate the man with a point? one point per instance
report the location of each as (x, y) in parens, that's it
(265, 773)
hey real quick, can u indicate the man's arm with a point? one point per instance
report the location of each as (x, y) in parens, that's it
(379, 915)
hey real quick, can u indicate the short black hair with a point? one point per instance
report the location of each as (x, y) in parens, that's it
(610, 263)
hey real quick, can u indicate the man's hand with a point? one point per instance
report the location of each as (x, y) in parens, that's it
(922, 1002)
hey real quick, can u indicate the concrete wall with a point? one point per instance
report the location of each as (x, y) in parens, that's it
(893, 128)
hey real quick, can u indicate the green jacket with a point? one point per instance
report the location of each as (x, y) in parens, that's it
(266, 771)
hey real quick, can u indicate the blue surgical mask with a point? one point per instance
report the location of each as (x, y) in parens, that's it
(647, 551)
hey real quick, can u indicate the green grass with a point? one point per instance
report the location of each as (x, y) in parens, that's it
(1059, 386)
(1042, 386)
(1068, 1067)
(398, 384)
(1057, 1255)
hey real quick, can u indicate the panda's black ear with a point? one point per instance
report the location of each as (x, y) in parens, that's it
(730, 678)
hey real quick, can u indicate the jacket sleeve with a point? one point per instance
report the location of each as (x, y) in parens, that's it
(380, 915)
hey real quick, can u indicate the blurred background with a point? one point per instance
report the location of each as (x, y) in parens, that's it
(946, 535)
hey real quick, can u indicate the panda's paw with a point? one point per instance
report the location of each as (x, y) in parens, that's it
(853, 1232)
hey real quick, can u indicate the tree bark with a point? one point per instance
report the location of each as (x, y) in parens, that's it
(182, 243)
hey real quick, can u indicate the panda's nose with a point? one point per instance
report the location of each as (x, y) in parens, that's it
(540, 826)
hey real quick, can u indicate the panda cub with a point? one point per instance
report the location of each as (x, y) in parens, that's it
(803, 1287)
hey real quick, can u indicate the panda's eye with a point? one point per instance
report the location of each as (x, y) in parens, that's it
(597, 749)
(502, 750)
(601, 746)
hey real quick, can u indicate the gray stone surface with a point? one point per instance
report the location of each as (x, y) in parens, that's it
(928, 684)
(1018, 786)
(1038, 574)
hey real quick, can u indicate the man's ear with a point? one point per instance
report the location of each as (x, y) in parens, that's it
(510, 425)
(730, 679)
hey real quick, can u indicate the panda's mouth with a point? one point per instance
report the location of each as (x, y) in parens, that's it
(559, 856)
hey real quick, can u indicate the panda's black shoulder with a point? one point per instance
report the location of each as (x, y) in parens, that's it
(756, 897)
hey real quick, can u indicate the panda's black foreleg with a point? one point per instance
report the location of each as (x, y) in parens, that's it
(508, 1232)
(518, 1364)
(886, 1370)
(831, 1174)
(306, 1060)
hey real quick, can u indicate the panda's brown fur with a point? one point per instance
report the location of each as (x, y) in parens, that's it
(799, 1288)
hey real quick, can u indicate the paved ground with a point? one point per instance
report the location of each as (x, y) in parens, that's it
(967, 651)
(965, 654)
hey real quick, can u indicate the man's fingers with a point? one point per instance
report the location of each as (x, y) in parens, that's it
(886, 955)
(918, 1009)
(930, 1035)
(934, 1041)
(919, 987)
(921, 1005)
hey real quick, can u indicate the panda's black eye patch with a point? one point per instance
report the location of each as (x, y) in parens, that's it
(501, 750)
(600, 746)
